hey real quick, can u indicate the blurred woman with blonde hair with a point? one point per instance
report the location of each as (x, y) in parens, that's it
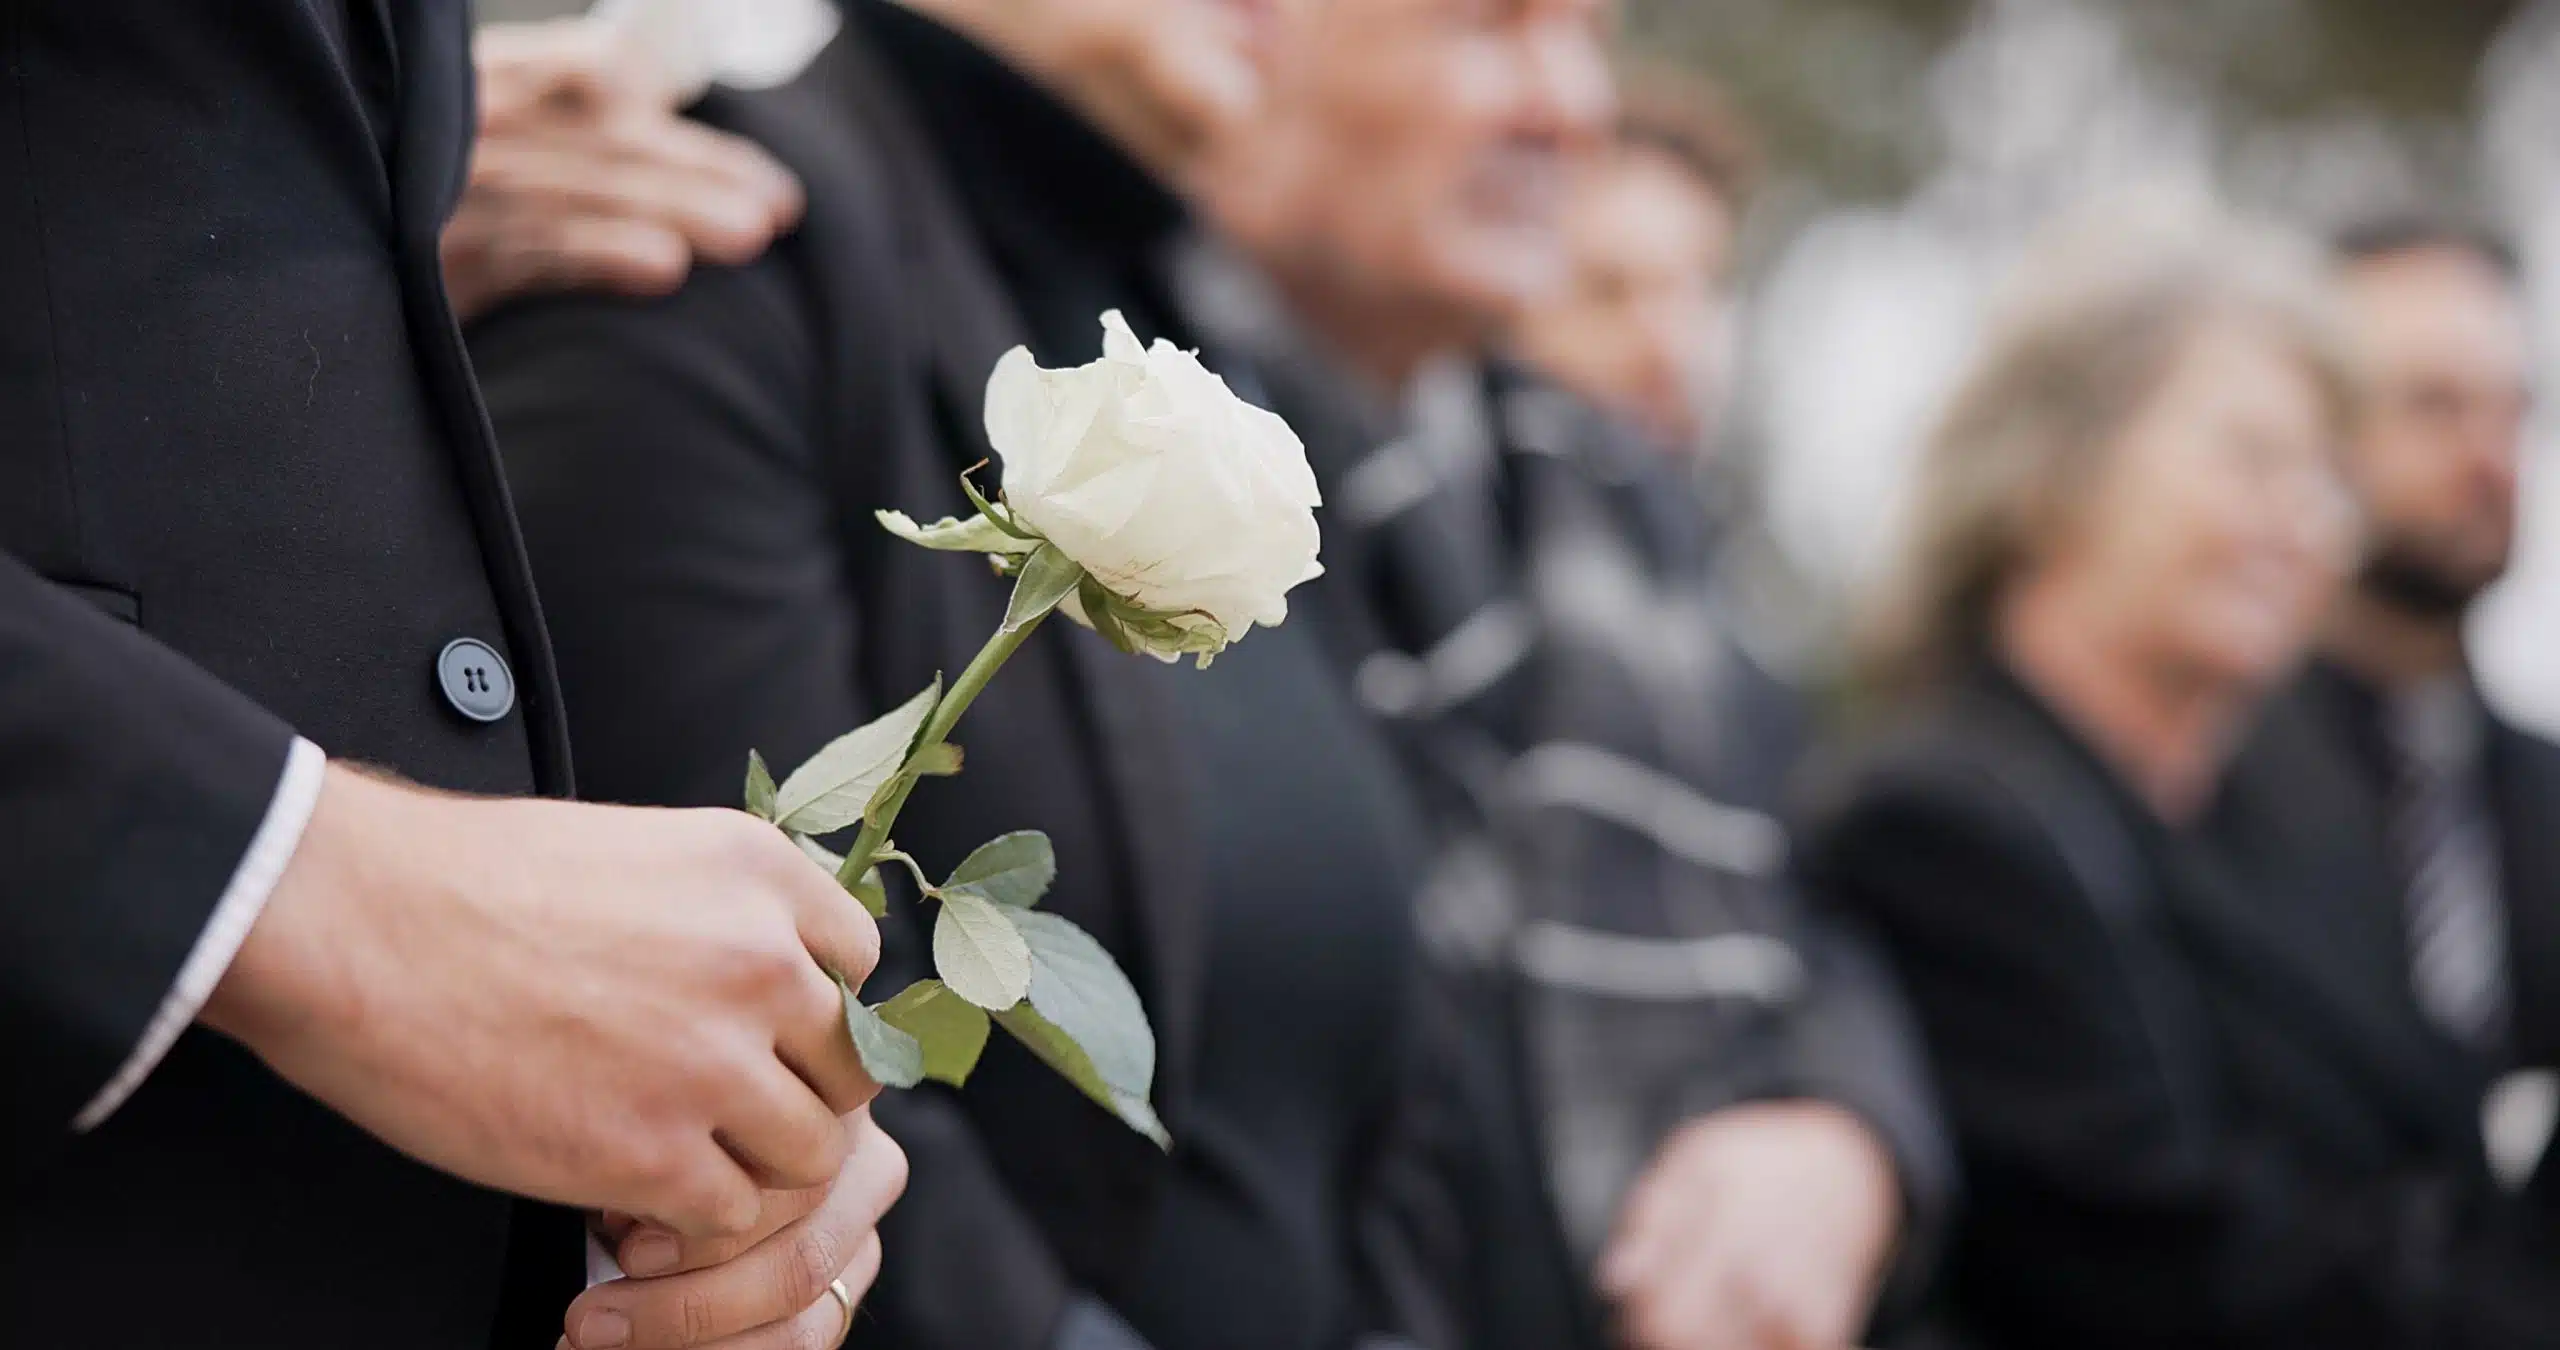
(2179, 1124)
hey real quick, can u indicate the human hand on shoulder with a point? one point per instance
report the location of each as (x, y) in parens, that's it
(586, 175)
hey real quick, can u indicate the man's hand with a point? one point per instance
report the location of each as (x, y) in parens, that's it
(606, 1007)
(1759, 1227)
(763, 1290)
(585, 176)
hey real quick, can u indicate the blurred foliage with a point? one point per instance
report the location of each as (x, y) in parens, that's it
(1840, 89)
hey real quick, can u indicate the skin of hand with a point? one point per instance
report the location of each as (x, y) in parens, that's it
(606, 1007)
(763, 1290)
(1763, 1226)
(585, 176)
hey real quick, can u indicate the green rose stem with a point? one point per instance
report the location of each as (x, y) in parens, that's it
(946, 715)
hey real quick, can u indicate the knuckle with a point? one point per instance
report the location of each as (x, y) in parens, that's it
(803, 1332)
(697, 1317)
(815, 1258)
(890, 1160)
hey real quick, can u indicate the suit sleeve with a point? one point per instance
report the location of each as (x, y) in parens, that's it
(2111, 1201)
(132, 785)
(664, 460)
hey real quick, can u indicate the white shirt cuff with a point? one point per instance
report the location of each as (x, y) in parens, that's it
(600, 1263)
(261, 867)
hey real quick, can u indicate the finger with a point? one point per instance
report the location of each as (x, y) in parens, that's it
(779, 1130)
(705, 1194)
(723, 195)
(649, 1251)
(832, 924)
(818, 1047)
(1636, 1249)
(822, 1324)
(771, 1282)
(1705, 1300)
(712, 163)
(1653, 1224)
(622, 257)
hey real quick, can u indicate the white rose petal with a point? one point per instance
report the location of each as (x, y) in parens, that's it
(745, 44)
(1176, 495)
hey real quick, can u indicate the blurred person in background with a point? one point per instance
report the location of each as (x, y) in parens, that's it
(584, 175)
(1645, 326)
(698, 475)
(1733, 1129)
(2183, 1117)
(2382, 792)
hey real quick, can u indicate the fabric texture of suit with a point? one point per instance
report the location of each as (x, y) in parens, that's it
(246, 491)
(2195, 1108)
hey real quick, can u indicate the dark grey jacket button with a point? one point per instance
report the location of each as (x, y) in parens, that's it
(476, 680)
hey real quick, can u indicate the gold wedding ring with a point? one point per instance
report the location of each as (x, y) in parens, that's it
(844, 1300)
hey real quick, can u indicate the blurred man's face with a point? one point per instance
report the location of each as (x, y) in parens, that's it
(2437, 460)
(1438, 135)
(1643, 327)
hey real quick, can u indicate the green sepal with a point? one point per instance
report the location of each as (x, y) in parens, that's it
(1102, 612)
(977, 534)
(1049, 577)
(999, 517)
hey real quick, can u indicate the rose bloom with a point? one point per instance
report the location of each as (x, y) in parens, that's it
(1190, 504)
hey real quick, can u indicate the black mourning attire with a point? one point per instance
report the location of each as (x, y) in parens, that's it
(246, 492)
(1558, 642)
(2195, 1101)
(698, 476)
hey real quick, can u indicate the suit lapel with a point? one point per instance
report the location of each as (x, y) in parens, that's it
(431, 153)
(2288, 952)
(2296, 898)
(2524, 790)
(968, 322)
(432, 149)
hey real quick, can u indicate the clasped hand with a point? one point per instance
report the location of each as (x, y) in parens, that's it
(766, 1289)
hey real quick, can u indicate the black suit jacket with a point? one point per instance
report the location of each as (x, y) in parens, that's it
(245, 491)
(2191, 1111)
(2305, 809)
(698, 476)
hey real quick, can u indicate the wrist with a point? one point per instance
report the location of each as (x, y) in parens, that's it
(292, 972)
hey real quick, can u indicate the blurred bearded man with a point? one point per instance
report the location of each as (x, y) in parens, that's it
(2385, 806)
(1738, 1143)
(698, 476)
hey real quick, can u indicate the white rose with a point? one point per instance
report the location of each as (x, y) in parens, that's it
(1187, 503)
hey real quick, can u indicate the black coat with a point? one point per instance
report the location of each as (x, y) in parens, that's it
(245, 491)
(698, 476)
(2189, 1113)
